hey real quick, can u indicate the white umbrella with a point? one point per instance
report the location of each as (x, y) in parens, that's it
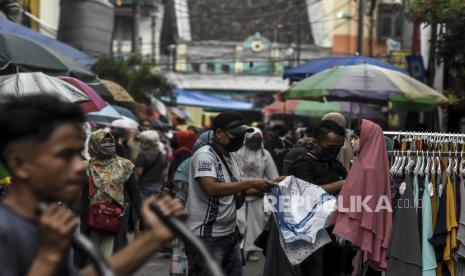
(23, 84)
(125, 122)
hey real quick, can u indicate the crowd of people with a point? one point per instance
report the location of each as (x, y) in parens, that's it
(218, 177)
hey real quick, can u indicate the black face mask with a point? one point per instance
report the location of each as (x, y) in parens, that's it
(235, 143)
(107, 150)
(330, 154)
(254, 143)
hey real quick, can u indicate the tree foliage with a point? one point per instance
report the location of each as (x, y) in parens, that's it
(135, 74)
(448, 16)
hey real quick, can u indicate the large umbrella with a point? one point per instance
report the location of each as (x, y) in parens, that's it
(126, 112)
(318, 109)
(125, 122)
(24, 55)
(22, 84)
(367, 84)
(102, 91)
(317, 65)
(106, 115)
(11, 27)
(119, 93)
(96, 103)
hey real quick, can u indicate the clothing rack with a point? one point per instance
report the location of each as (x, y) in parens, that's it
(429, 134)
(426, 153)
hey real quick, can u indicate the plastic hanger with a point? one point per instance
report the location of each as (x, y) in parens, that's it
(400, 170)
(423, 163)
(416, 170)
(410, 162)
(449, 166)
(394, 164)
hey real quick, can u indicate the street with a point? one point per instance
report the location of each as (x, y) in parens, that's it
(159, 266)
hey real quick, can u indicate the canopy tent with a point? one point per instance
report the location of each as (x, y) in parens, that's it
(317, 65)
(194, 98)
(8, 26)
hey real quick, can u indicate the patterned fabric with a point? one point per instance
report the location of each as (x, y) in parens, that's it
(302, 211)
(109, 175)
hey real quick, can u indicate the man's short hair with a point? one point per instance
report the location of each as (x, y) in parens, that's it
(34, 117)
(326, 127)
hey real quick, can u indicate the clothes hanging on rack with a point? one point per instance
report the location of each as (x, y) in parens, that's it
(428, 255)
(431, 167)
(404, 249)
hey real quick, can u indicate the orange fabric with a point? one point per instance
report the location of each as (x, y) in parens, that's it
(451, 225)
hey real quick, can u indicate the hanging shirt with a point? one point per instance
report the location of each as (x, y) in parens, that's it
(451, 227)
(404, 250)
(415, 191)
(434, 200)
(461, 230)
(429, 258)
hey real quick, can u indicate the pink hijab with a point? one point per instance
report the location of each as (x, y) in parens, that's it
(369, 177)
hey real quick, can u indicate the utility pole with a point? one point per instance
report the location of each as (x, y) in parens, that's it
(299, 38)
(372, 27)
(153, 39)
(135, 31)
(361, 14)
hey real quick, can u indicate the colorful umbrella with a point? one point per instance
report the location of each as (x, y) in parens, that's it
(103, 92)
(96, 103)
(25, 55)
(318, 109)
(126, 112)
(106, 115)
(317, 65)
(22, 84)
(119, 93)
(366, 83)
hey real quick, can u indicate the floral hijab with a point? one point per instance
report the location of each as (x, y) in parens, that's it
(110, 174)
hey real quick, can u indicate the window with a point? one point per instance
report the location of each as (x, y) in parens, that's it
(124, 26)
(390, 22)
(210, 67)
(225, 68)
(196, 67)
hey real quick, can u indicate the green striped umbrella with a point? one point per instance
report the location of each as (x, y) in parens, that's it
(319, 109)
(367, 84)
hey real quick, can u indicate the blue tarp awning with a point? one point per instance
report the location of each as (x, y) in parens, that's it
(8, 26)
(199, 99)
(317, 65)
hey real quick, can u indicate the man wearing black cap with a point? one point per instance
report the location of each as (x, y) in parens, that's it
(211, 204)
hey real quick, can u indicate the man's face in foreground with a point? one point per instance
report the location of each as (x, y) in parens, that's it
(52, 169)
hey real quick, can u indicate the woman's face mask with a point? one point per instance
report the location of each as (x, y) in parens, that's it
(254, 143)
(107, 150)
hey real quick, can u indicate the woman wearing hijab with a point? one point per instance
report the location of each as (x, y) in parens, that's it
(183, 141)
(255, 162)
(179, 265)
(151, 165)
(111, 181)
(368, 177)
